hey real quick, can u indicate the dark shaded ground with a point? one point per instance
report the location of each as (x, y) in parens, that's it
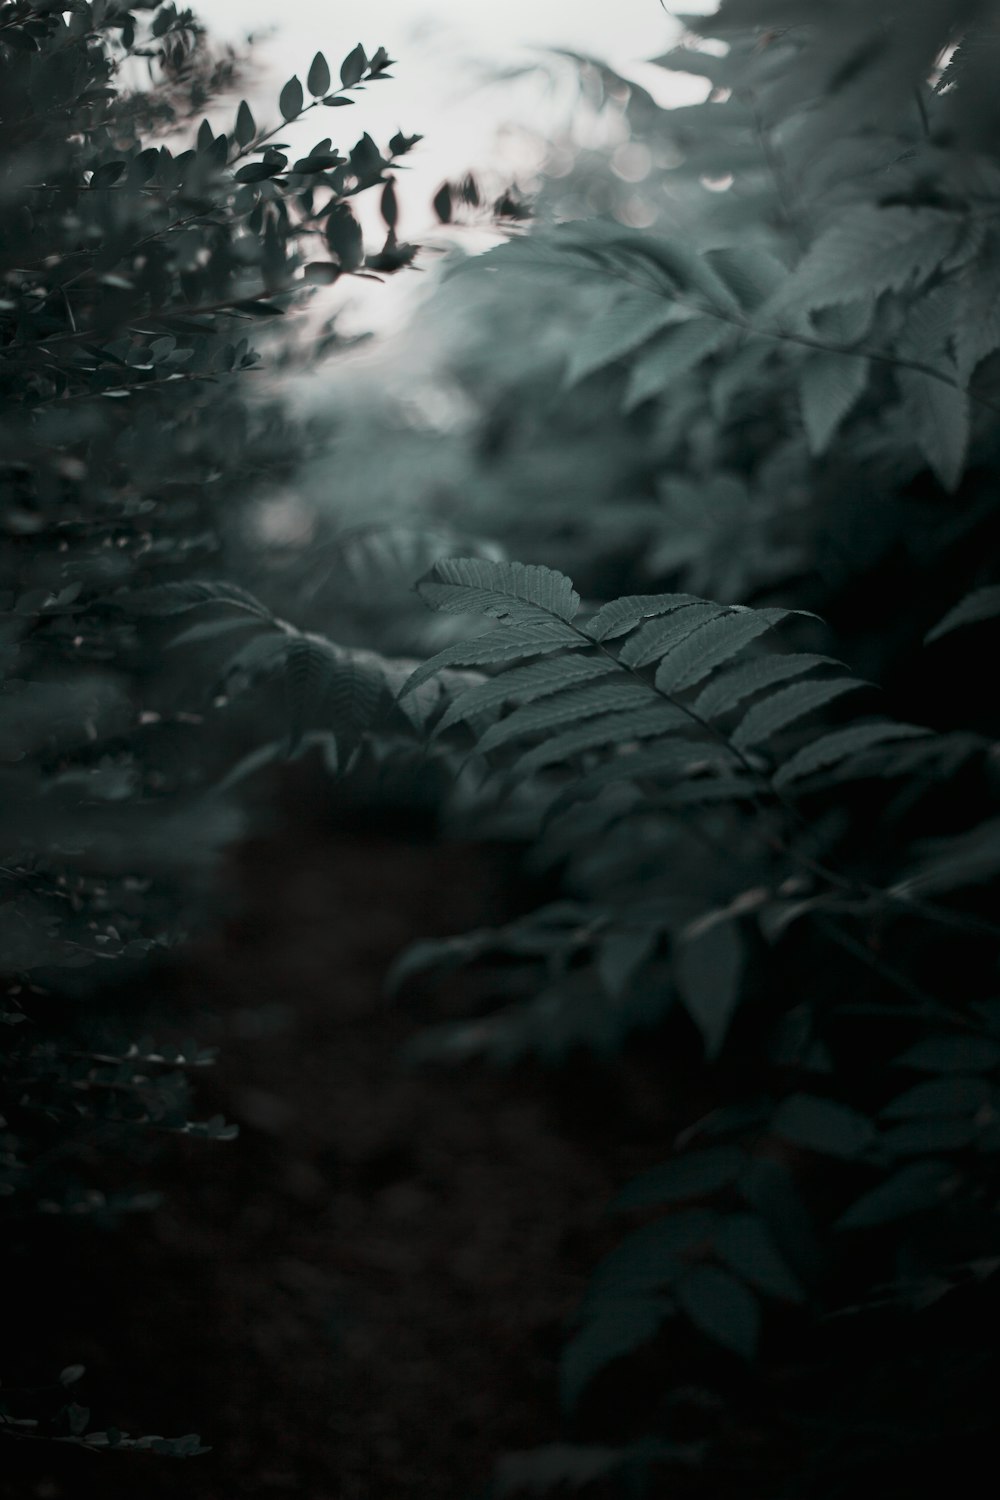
(365, 1295)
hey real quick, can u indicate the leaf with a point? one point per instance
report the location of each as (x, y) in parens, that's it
(622, 1327)
(656, 637)
(671, 356)
(174, 598)
(353, 67)
(673, 761)
(829, 386)
(939, 416)
(711, 646)
(977, 323)
(929, 1136)
(508, 643)
(951, 1054)
(246, 126)
(824, 1126)
(527, 684)
(694, 1174)
(840, 745)
(476, 585)
(318, 77)
(653, 1256)
(786, 707)
(726, 692)
(619, 695)
(627, 324)
(981, 604)
(603, 731)
(622, 615)
(721, 1307)
(707, 970)
(620, 956)
(290, 99)
(916, 1188)
(744, 1242)
(958, 1095)
(879, 249)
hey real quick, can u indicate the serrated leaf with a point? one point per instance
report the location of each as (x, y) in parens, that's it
(476, 585)
(786, 707)
(604, 697)
(309, 667)
(880, 249)
(674, 354)
(626, 325)
(728, 691)
(916, 1188)
(830, 385)
(527, 684)
(602, 732)
(721, 1307)
(658, 636)
(318, 77)
(622, 615)
(981, 604)
(712, 645)
(290, 99)
(626, 1324)
(939, 419)
(707, 970)
(824, 1126)
(829, 749)
(693, 1174)
(507, 643)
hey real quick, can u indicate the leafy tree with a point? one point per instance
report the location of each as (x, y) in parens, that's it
(135, 278)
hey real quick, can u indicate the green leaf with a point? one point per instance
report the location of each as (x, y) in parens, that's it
(958, 1095)
(726, 692)
(829, 749)
(527, 684)
(824, 1126)
(694, 1174)
(707, 970)
(939, 417)
(917, 1188)
(721, 1307)
(353, 67)
(508, 643)
(653, 1256)
(475, 585)
(318, 77)
(673, 354)
(600, 733)
(627, 324)
(246, 127)
(656, 637)
(623, 1326)
(829, 386)
(712, 645)
(290, 99)
(622, 615)
(786, 707)
(981, 604)
(611, 697)
(620, 956)
(744, 1242)
(951, 1054)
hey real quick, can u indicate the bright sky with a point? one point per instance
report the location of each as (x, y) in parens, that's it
(445, 50)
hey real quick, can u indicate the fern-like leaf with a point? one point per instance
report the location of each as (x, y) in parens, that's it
(622, 615)
(830, 385)
(939, 415)
(674, 354)
(600, 733)
(786, 707)
(711, 646)
(539, 679)
(656, 637)
(618, 697)
(626, 325)
(475, 585)
(506, 644)
(981, 604)
(729, 690)
(830, 749)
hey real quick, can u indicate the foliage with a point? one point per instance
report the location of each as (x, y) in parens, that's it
(135, 278)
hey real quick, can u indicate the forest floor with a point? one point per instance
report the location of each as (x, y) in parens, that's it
(364, 1296)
